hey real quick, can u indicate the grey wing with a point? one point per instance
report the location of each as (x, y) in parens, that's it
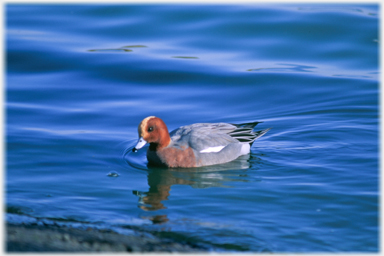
(204, 135)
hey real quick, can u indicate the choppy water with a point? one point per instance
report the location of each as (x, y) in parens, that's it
(80, 78)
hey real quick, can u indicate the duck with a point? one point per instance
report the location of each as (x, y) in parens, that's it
(195, 145)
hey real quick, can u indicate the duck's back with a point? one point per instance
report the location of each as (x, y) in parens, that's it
(201, 136)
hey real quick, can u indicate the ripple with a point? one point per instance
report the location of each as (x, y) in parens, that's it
(184, 57)
(120, 49)
(286, 68)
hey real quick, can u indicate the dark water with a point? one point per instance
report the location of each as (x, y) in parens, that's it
(80, 78)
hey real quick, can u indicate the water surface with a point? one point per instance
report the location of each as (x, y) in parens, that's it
(80, 78)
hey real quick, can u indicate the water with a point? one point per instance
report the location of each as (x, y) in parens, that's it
(80, 78)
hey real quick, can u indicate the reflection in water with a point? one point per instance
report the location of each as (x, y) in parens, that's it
(160, 181)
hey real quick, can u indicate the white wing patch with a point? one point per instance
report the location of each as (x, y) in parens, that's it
(212, 149)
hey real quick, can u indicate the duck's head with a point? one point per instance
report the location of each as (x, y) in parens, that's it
(154, 131)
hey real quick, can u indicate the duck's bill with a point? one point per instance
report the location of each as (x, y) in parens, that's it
(141, 143)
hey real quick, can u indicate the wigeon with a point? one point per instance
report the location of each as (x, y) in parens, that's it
(195, 145)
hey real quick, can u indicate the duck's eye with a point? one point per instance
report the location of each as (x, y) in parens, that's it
(150, 129)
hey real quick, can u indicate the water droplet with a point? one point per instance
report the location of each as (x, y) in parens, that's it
(113, 174)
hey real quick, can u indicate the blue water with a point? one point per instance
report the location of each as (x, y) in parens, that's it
(80, 78)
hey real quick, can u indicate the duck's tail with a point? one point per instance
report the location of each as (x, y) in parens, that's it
(244, 132)
(259, 134)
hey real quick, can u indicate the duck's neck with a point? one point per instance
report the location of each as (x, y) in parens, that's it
(164, 141)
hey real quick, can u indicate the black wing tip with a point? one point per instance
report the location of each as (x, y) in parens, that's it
(249, 124)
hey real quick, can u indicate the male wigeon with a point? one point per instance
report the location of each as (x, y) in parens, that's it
(195, 145)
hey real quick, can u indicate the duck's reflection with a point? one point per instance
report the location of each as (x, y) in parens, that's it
(160, 181)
